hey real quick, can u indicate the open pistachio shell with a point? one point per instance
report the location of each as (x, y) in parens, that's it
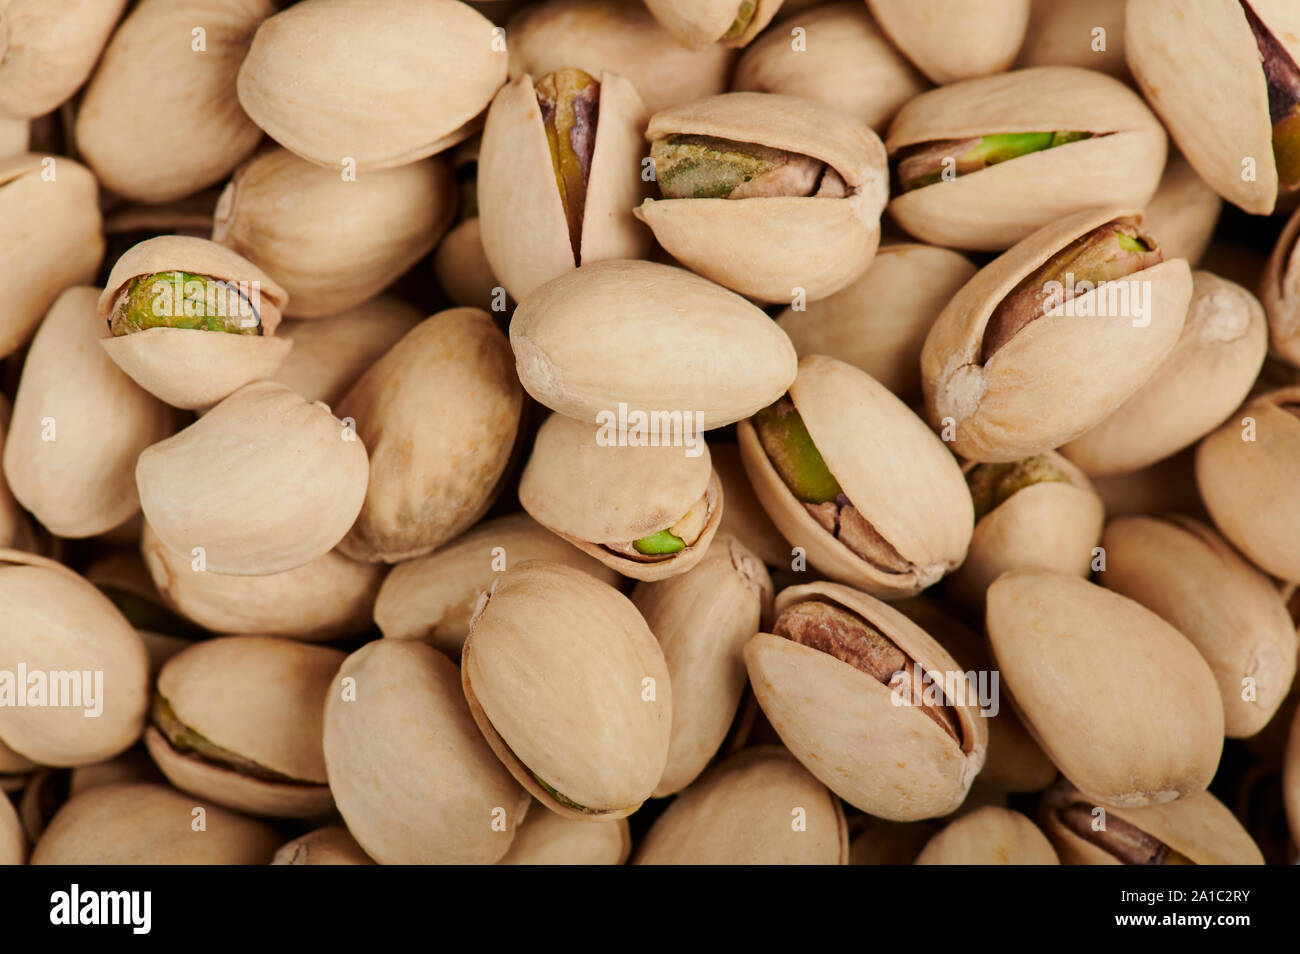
(1044, 387)
(546, 838)
(1291, 779)
(952, 43)
(47, 49)
(1120, 700)
(148, 824)
(411, 775)
(441, 67)
(263, 483)
(1062, 33)
(13, 845)
(989, 836)
(771, 247)
(1183, 211)
(571, 690)
(874, 748)
(995, 207)
(439, 415)
(331, 845)
(1204, 379)
(697, 23)
(744, 517)
(1279, 290)
(79, 423)
(432, 598)
(189, 367)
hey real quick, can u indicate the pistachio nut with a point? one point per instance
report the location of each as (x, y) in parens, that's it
(148, 103)
(1197, 829)
(263, 483)
(880, 842)
(950, 43)
(1279, 290)
(898, 747)
(50, 789)
(462, 267)
(580, 344)
(1064, 33)
(441, 68)
(1168, 486)
(1244, 471)
(412, 777)
(47, 50)
(850, 475)
(192, 321)
(1010, 367)
(1183, 212)
(983, 163)
(989, 836)
(331, 845)
(50, 225)
(759, 806)
(1203, 380)
(148, 824)
(744, 517)
(647, 511)
(1222, 74)
(697, 23)
(1291, 779)
(879, 322)
(439, 414)
(855, 70)
(78, 425)
(13, 845)
(813, 183)
(432, 598)
(546, 838)
(571, 690)
(1073, 654)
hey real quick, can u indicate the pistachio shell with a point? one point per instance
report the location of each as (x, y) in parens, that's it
(571, 690)
(699, 22)
(463, 270)
(15, 137)
(989, 836)
(1063, 33)
(411, 775)
(546, 838)
(649, 336)
(439, 414)
(47, 49)
(744, 517)
(1279, 290)
(332, 845)
(952, 43)
(996, 207)
(441, 67)
(1183, 212)
(263, 483)
(11, 763)
(1117, 698)
(1291, 779)
(147, 824)
(13, 846)
(15, 531)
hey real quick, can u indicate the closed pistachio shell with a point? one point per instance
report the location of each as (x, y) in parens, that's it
(1086, 33)
(137, 132)
(758, 807)
(546, 838)
(1232, 613)
(439, 414)
(443, 61)
(952, 43)
(13, 846)
(652, 337)
(696, 23)
(744, 517)
(571, 690)
(47, 49)
(1120, 700)
(411, 775)
(1279, 290)
(148, 824)
(331, 845)
(989, 836)
(463, 270)
(1291, 779)
(1183, 211)
(79, 423)
(263, 483)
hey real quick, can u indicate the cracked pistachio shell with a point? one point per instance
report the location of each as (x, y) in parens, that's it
(262, 699)
(52, 235)
(1050, 525)
(331, 845)
(571, 690)
(744, 517)
(522, 219)
(702, 619)
(1246, 471)
(432, 598)
(264, 482)
(745, 811)
(442, 63)
(1291, 779)
(411, 775)
(1183, 211)
(13, 845)
(462, 268)
(47, 49)
(949, 43)
(769, 247)
(1061, 33)
(889, 760)
(594, 495)
(855, 68)
(649, 336)
(333, 243)
(439, 414)
(1232, 613)
(996, 207)
(1198, 65)
(879, 322)
(186, 367)
(1058, 376)
(546, 838)
(1279, 290)
(1198, 826)
(148, 824)
(78, 425)
(989, 836)
(1120, 700)
(697, 23)
(892, 468)
(55, 621)
(149, 102)
(1203, 380)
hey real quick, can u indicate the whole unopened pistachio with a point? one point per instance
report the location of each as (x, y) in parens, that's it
(989, 836)
(331, 845)
(952, 43)
(546, 838)
(47, 50)
(699, 22)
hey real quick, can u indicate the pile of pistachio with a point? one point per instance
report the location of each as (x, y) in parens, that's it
(593, 431)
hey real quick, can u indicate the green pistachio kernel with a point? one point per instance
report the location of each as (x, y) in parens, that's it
(924, 164)
(992, 485)
(744, 15)
(1283, 76)
(184, 300)
(791, 449)
(566, 802)
(659, 543)
(187, 740)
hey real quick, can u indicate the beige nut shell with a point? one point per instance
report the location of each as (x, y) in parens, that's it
(1062, 33)
(546, 838)
(331, 845)
(50, 47)
(950, 43)
(1183, 212)
(1279, 290)
(989, 836)
(696, 23)
(13, 844)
